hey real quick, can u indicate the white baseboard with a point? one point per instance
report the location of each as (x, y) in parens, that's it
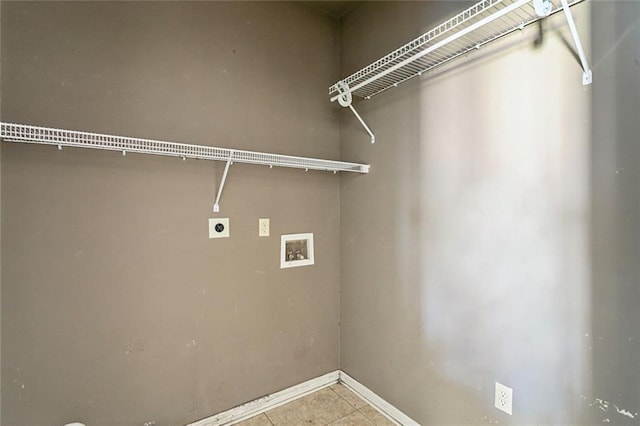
(391, 412)
(269, 402)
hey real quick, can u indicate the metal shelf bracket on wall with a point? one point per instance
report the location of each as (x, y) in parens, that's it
(23, 133)
(345, 100)
(473, 28)
(586, 71)
(216, 205)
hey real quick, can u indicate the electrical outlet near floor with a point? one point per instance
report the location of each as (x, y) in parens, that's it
(504, 398)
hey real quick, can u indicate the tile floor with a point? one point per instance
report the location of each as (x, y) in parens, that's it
(335, 406)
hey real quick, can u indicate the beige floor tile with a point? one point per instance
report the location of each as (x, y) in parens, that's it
(259, 420)
(349, 396)
(353, 419)
(319, 408)
(376, 416)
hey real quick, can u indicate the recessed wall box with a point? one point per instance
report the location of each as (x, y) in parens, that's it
(296, 250)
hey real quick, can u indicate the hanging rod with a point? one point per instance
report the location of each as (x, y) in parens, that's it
(482, 23)
(23, 133)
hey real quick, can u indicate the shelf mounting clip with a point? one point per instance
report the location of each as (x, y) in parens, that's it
(344, 99)
(216, 205)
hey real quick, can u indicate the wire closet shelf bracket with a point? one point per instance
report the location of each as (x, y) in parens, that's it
(482, 23)
(23, 133)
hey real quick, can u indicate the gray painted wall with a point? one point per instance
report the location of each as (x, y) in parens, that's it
(496, 236)
(615, 207)
(0, 219)
(117, 308)
(494, 240)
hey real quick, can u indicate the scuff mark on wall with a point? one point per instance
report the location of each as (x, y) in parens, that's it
(136, 346)
(600, 403)
(619, 410)
(604, 405)
(18, 382)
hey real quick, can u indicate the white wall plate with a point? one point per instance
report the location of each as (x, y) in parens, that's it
(219, 227)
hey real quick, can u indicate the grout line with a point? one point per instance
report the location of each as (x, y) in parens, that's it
(361, 412)
(340, 396)
(367, 403)
(345, 399)
(354, 409)
(268, 419)
(337, 420)
(394, 415)
(367, 417)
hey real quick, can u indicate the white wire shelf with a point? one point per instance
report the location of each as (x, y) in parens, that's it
(10, 132)
(484, 22)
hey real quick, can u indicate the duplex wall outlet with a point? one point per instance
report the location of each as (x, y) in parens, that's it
(219, 227)
(504, 398)
(263, 227)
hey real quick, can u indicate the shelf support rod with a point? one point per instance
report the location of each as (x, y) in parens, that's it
(353, 110)
(345, 101)
(586, 71)
(216, 205)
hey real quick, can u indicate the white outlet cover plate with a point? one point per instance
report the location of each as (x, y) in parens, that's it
(504, 398)
(263, 227)
(219, 227)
